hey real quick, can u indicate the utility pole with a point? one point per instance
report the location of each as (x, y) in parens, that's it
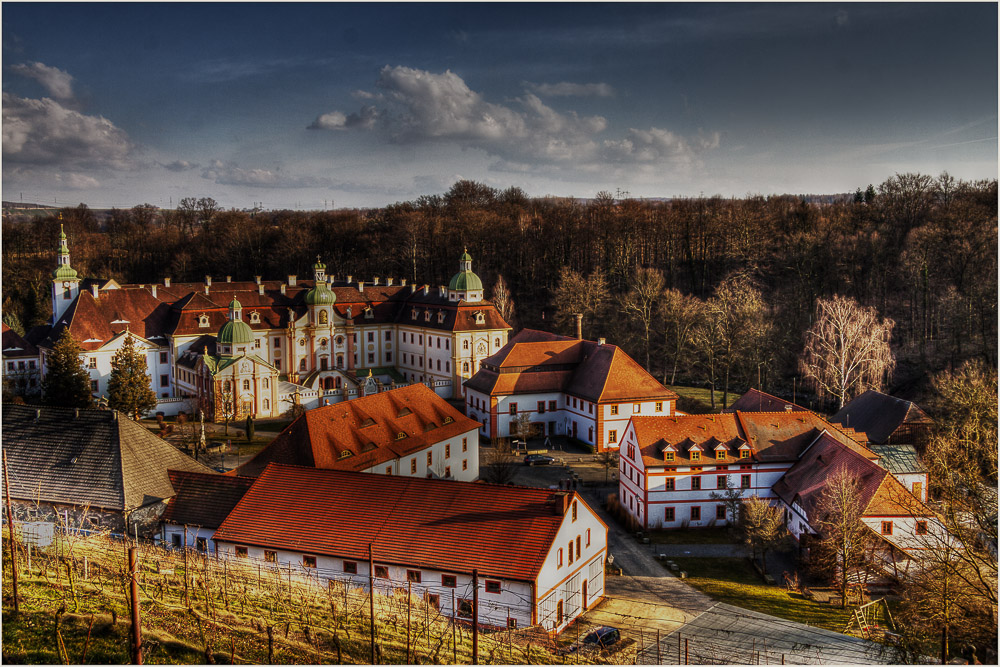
(475, 617)
(10, 527)
(134, 594)
(371, 596)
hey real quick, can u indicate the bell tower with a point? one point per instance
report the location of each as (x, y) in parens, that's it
(65, 282)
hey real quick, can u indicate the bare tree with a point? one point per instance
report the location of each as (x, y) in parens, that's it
(762, 527)
(579, 294)
(499, 462)
(844, 538)
(503, 300)
(641, 301)
(732, 497)
(742, 324)
(847, 349)
(679, 314)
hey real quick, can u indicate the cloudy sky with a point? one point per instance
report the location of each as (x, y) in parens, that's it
(320, 104)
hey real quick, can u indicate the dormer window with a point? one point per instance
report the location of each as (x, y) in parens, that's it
(203, 321)
(440, 317)
(668, 456)
(480, 318)
(369, 313)
(695, 455)
(427, 316)
(400, 435)
(254, 317)
(720, 455)
(744, 453)
(413, 314)
(448, 420)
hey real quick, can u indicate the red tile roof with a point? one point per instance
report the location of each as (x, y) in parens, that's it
(15, 346)
(537, 361)
(203, 500)
(772, 436)
(758, 401)
(880, 415)
(361, 433)
(454, 526)
(879, 493)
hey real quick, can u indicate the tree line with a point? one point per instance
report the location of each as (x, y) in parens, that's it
(921, 251)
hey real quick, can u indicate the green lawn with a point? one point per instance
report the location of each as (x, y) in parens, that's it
(733, 581)
(698, 400)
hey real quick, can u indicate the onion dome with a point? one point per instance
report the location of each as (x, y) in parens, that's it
(320, 295)
(235, 331)
(465, 280)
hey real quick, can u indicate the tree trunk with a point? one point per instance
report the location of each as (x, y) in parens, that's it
(944, 644)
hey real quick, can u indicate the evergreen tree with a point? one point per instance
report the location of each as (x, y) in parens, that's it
(128, 387)
(67, 382)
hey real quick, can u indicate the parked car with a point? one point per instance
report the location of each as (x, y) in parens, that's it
(598, 639)
(538, 460)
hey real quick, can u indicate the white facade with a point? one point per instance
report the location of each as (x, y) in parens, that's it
(453, 458)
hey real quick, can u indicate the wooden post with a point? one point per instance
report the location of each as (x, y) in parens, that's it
(134, 595)
(187, 575)
(371, 596)
(409, 600)
(678, 648)
(86, 568)
(454, 638)
(640, 642)
(475, 617)
(753, 650)
(686, 651)
(658, 661)
(10, 527)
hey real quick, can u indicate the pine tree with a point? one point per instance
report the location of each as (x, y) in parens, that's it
(67, 382)
(128, 387)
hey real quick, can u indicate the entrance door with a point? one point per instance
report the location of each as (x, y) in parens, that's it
(574, 429)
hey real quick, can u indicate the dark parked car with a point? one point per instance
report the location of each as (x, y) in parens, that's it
(603, 636)
(538, 460)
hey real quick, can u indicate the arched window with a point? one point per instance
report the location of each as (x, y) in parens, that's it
(324, 317)
(340, 361)
(267, 383)
(246, 385)
(465, 345)
(226, 386)
(465, 366)
(496, 342)
(340, 341)
(267, 404)
(336, 383)
(302, 364)
(323, 363)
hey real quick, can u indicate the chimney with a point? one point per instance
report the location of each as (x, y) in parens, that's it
(93, 289)
(361, 286)
(206, 289)
(388, 282)
(561, 501)
(153, 288)
(260, 288)
(349, 276)
(427, 289)
(282, 289)
(291, 281)
(76, 413)
(208, 281)
(442, 291)
(229, 279)
(375, 280)
(579, 326)
(402, 281)
(600, 341)
(166, 282)
(788, 408)
(257, 279)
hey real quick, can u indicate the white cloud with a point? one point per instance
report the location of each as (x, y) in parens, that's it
(229, 173)
(566, 89)
(416, 106)
(178, 165)
(77, 181)
(57, 83)
(44, 132)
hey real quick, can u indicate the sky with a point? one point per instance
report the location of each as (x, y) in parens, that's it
(331, 105)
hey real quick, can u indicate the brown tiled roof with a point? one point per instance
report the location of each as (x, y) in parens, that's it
(91, 457)
(361, 433)
(879, 415)
(537, 361)
(772, 436)
(94, 322)
(14, 345)
(454, 526)
(879, 493)
(203, 500)
(758, 401)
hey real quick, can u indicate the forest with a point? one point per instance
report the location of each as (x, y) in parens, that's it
(713, 292)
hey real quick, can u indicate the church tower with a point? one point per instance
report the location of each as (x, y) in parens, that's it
(465, 285)
(65, 282)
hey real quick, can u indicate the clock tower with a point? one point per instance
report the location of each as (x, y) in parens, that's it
(65, 282)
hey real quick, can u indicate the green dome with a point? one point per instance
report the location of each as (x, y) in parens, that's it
(65, 272)
(466, 257)
(320, 295)
(465, 281)
(235, 332)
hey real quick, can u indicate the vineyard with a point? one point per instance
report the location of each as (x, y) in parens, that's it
(75, 608)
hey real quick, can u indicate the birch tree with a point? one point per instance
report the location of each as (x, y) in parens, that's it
(641, 302)
(503, 300)
(844, 538)
(847, 349)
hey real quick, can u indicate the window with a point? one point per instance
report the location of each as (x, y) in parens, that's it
(696, 513)
(164, 380)
(277, 343)
(744, 481)
(447, 451)
(659, 406)
(668, 456)
(163, 357)
(430, 459)
(720, 512)
(302, 364)
(256, 343)
(31, 364)
(695, 455)
(720, 481)
(382, 571)
(921, 528)
(388, 470)
(465, 444)
(309, 561)
(636, 407)
(465, 464)
(720, 455)
(887, 527)
(612, 436)
(371, 358)
(614, 409)
(203, 321)
(267, 404)
(552, 405)
(668, 513)
(94, 386)
(413, 466)
(388, 336)
(201, 544)
(465, 608)
(246, 385)
(175, 540)
(559, 557)
(465, 366)
(271, 556)
(696, 483)
(559, 612)
(513, 408)
(918, 490)
(512, 624)
(242, 552)
(588, 537)
(371, 336)
(492, 586)
(669, 484)
(350, 567)
(433, 601)
(570, 549)
(465, 345)
(449, 581)
(574, 401)
(388, 357)
(744, 453)
(541, 407)
(447, 471)
(574, 510)
(92, 362)
(578, 541)
(413, 576)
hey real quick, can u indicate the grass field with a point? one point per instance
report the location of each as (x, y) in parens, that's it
(713, 535)
(698, 400)
(733, 581)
